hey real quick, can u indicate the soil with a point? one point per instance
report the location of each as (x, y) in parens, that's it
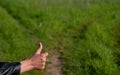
(55, 66)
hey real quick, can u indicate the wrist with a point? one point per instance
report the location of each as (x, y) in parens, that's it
(26, 65)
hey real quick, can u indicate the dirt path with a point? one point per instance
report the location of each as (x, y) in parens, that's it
(55, 66)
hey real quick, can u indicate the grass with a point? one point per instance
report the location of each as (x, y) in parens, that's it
(85, 33)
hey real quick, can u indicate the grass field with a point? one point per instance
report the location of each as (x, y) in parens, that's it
(85, 33)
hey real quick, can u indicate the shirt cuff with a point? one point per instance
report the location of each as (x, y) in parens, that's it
(7, 68)
(16, 68)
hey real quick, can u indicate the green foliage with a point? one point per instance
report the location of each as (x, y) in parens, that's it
(85, 32)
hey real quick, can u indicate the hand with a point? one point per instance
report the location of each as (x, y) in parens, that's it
(37, 61)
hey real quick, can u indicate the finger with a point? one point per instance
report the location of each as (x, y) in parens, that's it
(39, 48)
(45, 54)
(44, 59)
(43, 66)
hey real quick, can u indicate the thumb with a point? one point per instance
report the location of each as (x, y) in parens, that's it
(39, 48)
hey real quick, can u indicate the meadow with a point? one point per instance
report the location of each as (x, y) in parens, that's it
(84, 33)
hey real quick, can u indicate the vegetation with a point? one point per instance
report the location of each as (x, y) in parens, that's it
(85, 33)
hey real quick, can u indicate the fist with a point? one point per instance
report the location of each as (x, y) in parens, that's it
(38, 59)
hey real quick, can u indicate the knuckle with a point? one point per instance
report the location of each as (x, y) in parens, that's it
(41, 55)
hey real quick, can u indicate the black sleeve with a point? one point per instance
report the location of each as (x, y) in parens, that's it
(7, 68)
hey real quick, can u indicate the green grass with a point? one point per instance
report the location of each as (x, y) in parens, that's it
(85, 33)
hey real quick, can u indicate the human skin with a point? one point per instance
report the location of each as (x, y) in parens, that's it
(35, 62)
